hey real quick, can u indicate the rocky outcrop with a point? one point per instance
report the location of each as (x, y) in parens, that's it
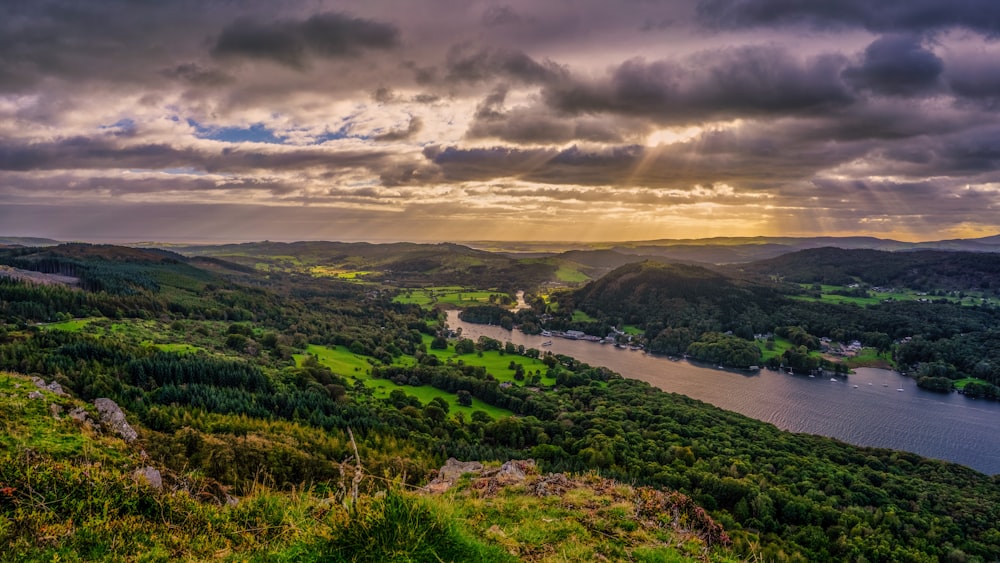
(509, 473)
(113, 419)
(53, 387)
(450, 472)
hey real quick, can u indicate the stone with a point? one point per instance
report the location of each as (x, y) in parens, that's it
(113, 418)
(56, 411)
(35, 395)
(150, 475)
(78, 414)
(450, 473)
(54, 387)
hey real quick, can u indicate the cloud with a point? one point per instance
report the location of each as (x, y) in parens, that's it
(897, 65)
(96, 153)
(719, 84)
(465, 64)
(401, 135)
(291, 42)
(982, 16)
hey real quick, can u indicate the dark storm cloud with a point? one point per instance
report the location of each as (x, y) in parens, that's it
(876, 15)
(976, 79)
(467, 64)
(897, 65)
(727, 83)
(403, 134)
(292, 42)
(84, 153)
(534, 125)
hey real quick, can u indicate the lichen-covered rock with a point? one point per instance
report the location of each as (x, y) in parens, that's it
(54, 387)
(450, 472)
(150, 475)
(113, 419)
(80, 415)
(35, 395)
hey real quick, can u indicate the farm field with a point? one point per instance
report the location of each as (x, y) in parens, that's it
(447, 295)
(828, 294)
(356, 367)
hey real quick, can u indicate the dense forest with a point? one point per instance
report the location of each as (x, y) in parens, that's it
(222, 371)
(924, 270)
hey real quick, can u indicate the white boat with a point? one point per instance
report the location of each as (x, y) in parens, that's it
(900, 389)
(835, 379)
(855, 386)
(547, 343)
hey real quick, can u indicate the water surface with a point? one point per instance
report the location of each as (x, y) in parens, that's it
(944, 426)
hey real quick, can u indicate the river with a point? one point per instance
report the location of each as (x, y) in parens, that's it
(943, 426)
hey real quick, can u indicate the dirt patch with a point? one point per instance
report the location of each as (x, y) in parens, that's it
(37, 277)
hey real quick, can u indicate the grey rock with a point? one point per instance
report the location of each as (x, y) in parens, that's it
(150, 475)
(54, 387)
(113, 418)
(56, 411)
(515, 470)
(35, 395)
(77, 413)
(450, 472)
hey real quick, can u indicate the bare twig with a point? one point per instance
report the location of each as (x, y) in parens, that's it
(358, 474)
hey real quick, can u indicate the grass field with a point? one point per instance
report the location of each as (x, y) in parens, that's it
(339, 273)
(455, 296)
(827, 296)
(73, 325)
(357, 368)
(961, 383)
(581, 317)
(571, 275)
(780, 345)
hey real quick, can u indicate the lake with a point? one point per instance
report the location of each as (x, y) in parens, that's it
(943, 426)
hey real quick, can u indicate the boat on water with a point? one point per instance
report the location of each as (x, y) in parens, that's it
(547, 343)
(835, 379)
(900, 389)
(885, 385)
(855, 386)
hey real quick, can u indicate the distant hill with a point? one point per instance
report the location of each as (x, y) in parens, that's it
(679, 293)
(920, 269)
(27, 241)
(405, 264)
(118, 270)
(733, 250)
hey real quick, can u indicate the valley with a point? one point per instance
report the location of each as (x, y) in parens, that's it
(311, 375)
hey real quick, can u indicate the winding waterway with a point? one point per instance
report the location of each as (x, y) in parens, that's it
(944, 426)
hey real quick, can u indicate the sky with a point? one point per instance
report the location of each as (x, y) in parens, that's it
(562, 120)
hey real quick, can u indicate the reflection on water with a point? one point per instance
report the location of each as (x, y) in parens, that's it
(866, 409)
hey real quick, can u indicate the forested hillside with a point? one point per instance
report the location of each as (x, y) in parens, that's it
(247, 385)
(924, 270)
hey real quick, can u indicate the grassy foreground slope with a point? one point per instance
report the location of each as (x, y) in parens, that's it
(69, 492)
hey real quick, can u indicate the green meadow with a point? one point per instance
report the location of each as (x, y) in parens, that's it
(357, 368)
(828, 295)
(449, 295)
